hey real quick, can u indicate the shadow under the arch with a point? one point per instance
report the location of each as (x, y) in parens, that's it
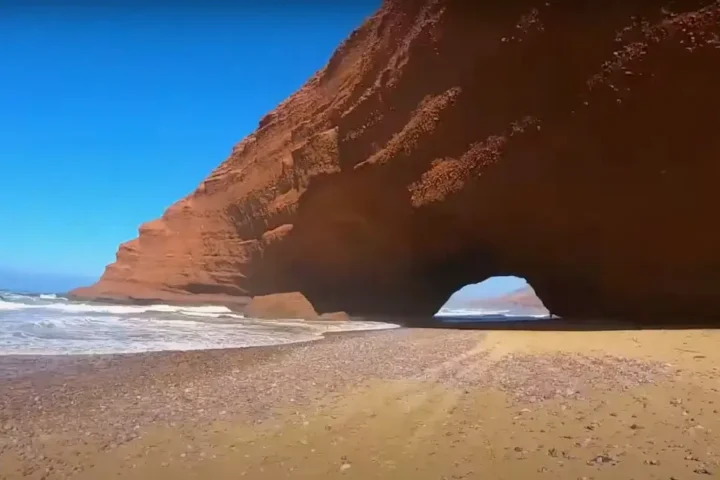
(529, 323)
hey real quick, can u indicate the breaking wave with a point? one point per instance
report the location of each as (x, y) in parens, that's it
(461, 312)
(51, 324)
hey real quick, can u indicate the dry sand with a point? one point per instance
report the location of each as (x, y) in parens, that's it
(416, 404)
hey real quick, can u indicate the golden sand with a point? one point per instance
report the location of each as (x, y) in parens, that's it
(475, 422)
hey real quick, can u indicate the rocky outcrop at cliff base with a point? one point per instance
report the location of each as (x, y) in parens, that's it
(291, 305)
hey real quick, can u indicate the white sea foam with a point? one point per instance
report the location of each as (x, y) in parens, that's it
(43, 325)
(69, 307)
(472, 312)
(462, 312)
(10, 305)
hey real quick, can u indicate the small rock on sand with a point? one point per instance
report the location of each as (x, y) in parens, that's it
(703, 471)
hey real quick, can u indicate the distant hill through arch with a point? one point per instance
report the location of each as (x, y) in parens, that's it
(489, 298)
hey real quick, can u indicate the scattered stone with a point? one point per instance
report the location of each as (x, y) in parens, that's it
(703, 471)
(600, 459)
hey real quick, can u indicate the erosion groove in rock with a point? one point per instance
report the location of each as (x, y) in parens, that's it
(444, 143)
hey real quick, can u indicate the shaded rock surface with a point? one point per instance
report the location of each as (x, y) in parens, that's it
(280, 305)
(444, 143)
(335, 316)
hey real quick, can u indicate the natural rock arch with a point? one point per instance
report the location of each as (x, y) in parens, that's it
(445, 144)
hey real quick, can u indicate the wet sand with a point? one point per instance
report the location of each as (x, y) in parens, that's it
(407, 403)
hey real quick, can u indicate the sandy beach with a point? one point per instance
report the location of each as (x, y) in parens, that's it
(409, 403)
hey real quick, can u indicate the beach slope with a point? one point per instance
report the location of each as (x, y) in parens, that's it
(420, 404)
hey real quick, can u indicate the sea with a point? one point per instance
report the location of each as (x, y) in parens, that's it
(50, 324)
(450, 315)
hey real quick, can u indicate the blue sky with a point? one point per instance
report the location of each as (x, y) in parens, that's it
(109, 115)
(491, 287)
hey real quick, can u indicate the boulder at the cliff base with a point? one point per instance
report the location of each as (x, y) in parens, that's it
(281, 305)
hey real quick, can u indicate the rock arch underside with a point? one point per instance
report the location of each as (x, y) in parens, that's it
(576, 145)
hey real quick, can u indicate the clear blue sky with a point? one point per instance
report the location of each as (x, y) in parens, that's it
(491, 287)
(109, 115)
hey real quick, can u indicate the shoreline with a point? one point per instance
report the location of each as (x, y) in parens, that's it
(236, 303)
(17, 359)
(447, 402)
(209, 327)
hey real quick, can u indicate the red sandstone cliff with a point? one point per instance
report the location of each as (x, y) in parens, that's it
(575, 146)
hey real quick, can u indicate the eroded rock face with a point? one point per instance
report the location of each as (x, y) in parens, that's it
(573, 146)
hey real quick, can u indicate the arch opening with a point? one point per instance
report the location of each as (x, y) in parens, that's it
(499, 297)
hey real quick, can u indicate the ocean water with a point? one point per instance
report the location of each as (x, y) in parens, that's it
(460, 315)
(53, 325)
